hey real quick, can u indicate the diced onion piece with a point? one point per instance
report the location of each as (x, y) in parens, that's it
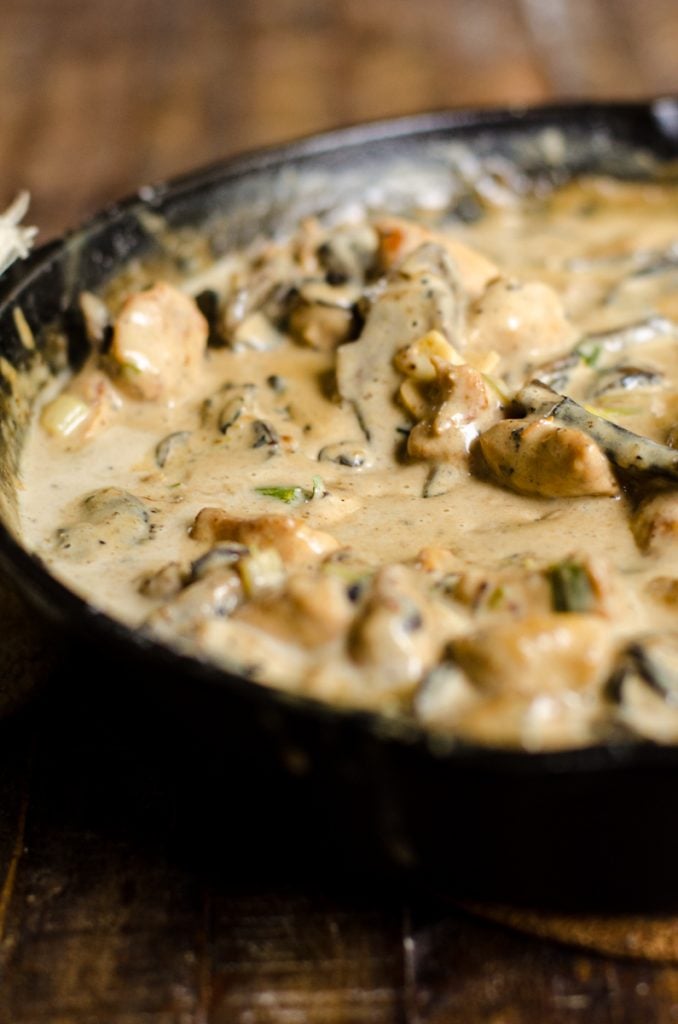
(415, 360)
(261, 571)
(63, 416)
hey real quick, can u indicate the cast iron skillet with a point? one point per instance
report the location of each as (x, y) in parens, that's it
(597, 826)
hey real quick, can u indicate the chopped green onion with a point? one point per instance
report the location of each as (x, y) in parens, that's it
(292, 494)
(589, 352)
(289, 495)
(571, 589)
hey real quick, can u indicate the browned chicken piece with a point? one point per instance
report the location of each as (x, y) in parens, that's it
(312, 610)
(542, 653)
(655, 522)
(539, 457)
(524, 323)
(294, 541)
(398, 238)
(460, 403)
(159, 340)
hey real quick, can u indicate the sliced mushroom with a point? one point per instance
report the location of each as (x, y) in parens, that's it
(352, 454)
(169, 445)
(625, 449)
(617, 339)
(121, 513)
(218, 557)
(106, 516)
(625, 378)
(644, 687)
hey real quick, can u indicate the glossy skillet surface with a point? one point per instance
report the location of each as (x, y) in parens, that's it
(594, 826)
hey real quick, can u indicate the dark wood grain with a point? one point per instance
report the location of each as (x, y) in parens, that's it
(130, 891)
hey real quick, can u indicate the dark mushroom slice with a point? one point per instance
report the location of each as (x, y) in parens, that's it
(265, 436)
(207, 302)
(169, 445)
(254, 315)
(628, 451)
(644, 687)
(277, 384)
(217, 558)
(626, 378)
(226, 405)
(107, 516)
(593, 345)
(658, 261)
(348, 254)
(346, 453)
(119, 512)
(559, 375)
(231, 412)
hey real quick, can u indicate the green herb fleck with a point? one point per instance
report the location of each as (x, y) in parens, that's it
(293, 494)
(290, 495)
(571, 589)
(589, 352)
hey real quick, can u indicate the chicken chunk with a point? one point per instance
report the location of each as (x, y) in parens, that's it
(294, 541)
(159, 339)
(537, 456)
(542, 653)
(312, 610)
(392, 636)
(655, 522)
(523, 322)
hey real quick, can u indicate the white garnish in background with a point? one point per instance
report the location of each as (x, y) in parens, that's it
(15, 239)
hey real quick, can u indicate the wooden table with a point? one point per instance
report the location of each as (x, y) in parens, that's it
(131, 890)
